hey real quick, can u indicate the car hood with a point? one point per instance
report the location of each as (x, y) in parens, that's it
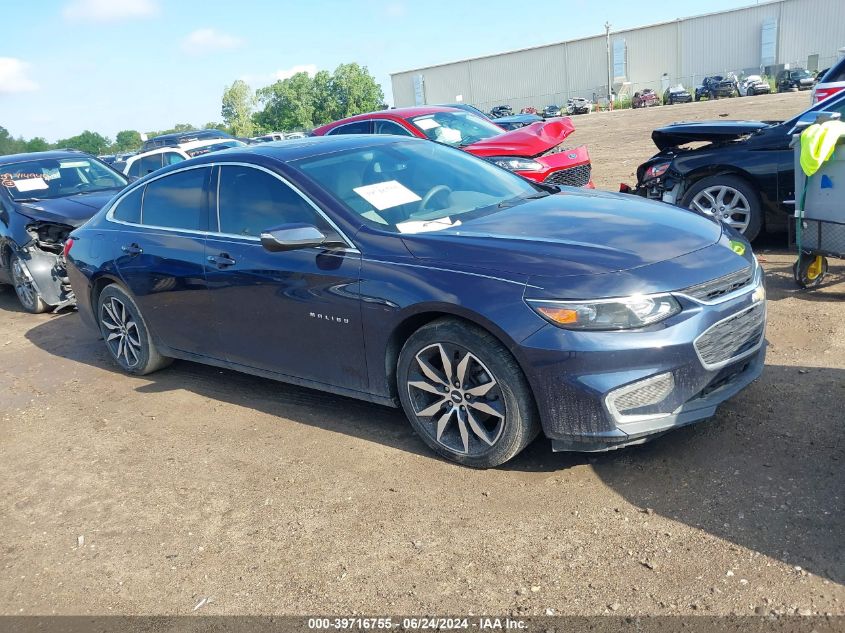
(529, 141)
(709, 131)
(71, 210)
(570, 233)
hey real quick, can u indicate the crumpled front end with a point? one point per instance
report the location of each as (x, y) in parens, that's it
(42, 263)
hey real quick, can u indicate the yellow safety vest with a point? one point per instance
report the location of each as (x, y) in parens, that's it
(817, 144)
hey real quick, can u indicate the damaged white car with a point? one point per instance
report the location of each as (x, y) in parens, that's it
(43, 197)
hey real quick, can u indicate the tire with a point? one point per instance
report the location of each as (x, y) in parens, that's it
(697, 97)
(743, 201)
(809, 271)
(125, 333)
(28, 295)
(467, 424)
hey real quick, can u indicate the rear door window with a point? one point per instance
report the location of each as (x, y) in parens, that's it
(389, 127)
(178, 201)
(171, 158)
(358, 127)
(150, 164)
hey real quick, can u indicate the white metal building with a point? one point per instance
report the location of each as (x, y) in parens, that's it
(766, 36)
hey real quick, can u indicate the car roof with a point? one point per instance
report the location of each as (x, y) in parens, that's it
(291, 150)
(401, 113)
(60, 153)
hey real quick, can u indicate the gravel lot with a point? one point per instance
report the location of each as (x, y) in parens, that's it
(146, 495)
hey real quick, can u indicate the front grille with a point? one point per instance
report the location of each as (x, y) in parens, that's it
(715, 288)
(731, 338)
(577, 176)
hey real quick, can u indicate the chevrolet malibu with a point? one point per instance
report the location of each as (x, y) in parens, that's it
(412, 274)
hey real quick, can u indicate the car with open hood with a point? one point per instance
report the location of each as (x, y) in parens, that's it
(739, 171)
(537, 151)
(714, 87)
(43, 197)
(411, 274)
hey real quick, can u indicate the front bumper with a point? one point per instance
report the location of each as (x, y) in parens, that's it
(573, 374)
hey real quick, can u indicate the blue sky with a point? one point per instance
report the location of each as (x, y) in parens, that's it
(108, 65)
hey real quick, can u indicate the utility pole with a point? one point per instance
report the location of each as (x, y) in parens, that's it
(609, 67)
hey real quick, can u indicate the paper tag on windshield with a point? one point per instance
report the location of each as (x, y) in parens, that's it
(384, 195)
(426, 124)
(422, 226)
(30, 184)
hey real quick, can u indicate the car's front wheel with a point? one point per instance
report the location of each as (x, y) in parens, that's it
(125, 333)
(730, 199)
(465, 395)
(25, 287)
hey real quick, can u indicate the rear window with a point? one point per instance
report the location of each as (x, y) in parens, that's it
(177, 201)
(129, 208)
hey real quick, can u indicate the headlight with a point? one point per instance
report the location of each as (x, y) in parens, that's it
(655, 171)
(608, 314)
(516, 164)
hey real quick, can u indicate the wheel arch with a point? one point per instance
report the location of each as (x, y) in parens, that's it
(412, 322)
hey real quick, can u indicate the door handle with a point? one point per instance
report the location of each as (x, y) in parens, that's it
(222, 260)
(132, 249)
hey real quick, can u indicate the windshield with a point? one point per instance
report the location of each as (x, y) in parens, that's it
(801, 74)
(456, 128)
(58, 177)
(413, 186)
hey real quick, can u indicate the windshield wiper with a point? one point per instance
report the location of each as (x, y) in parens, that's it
(514, 201)
(27, 199)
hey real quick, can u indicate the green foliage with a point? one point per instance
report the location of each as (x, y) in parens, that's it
(126, 141)
(213, 125)
(302, 102)
(238, 103)
(88, 141)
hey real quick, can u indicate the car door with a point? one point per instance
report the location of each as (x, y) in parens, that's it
(296, 312)
(163, 262)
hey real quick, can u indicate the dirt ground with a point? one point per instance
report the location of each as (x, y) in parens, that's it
(148, 495)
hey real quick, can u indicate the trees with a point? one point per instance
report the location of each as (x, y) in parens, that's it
(238, 103)
(302, 102)
(88, 141)
(126, 141)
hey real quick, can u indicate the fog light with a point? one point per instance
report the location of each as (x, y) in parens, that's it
(624, 402)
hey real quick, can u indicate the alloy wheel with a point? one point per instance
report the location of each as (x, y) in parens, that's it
(24, 286)
(725, 203)
(123, 337)
(456, 398)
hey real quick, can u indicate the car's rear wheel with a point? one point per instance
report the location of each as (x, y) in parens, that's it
(126, 334)
(730, 199)
(465, 395)
(25, 287)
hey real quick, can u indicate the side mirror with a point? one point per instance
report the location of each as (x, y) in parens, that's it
(290, 237)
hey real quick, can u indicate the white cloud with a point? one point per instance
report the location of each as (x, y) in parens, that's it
(109, 10)
(287, 73)
(204, 41)
(13, 76)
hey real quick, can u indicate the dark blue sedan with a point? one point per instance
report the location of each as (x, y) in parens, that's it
(409, 273)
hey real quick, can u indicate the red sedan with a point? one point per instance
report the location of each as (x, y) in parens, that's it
(535, 151)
